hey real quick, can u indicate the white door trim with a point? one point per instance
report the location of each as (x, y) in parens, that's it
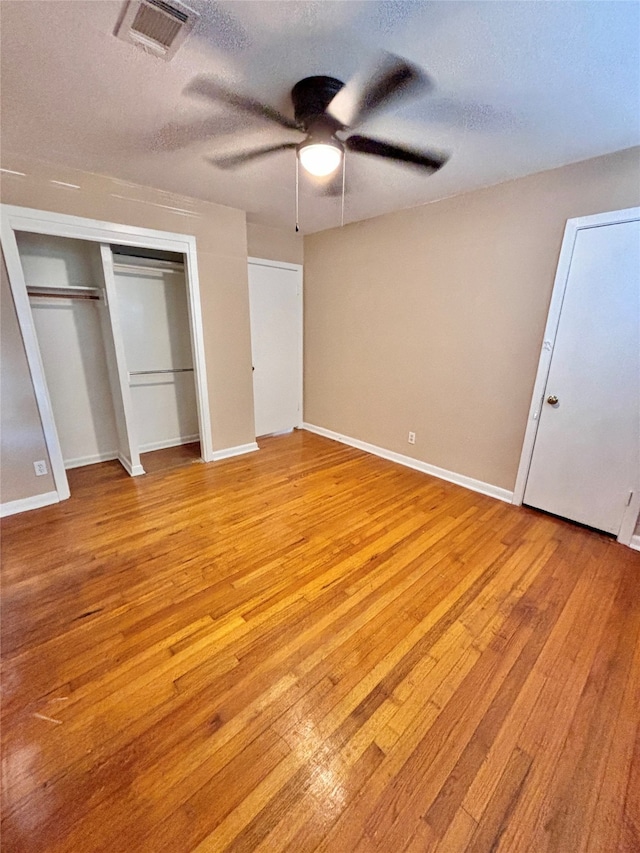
(14, 219)
(553, 318)
(130, 462)
(298, 269)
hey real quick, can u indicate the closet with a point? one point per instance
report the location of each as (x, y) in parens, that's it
(114, 339)
(154, 320)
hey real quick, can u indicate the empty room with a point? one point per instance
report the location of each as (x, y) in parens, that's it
(320, 426)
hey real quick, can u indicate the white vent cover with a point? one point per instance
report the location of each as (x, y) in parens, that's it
(158, 27)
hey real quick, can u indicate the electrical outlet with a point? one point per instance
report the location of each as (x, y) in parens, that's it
(40, 468)
(412, 438)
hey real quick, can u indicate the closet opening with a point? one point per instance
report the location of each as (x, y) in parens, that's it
(113, 342)
(66, 292)
(153, 307)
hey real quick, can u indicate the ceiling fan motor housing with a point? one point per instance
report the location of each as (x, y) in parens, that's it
(311, 97)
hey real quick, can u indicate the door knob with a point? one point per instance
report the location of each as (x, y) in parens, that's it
(552, 399)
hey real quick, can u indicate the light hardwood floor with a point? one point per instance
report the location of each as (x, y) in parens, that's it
(312, 649)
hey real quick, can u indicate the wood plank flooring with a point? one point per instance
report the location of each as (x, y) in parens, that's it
(312, 649)
(157, 461)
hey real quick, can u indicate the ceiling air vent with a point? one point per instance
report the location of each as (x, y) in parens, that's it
(156, 26)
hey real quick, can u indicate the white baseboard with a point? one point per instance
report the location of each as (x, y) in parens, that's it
(278, 432)
(416, 464)
(228, 452)
(635, 542)
(81, 461)
(24, 504)
(132, 470)
(170, 442)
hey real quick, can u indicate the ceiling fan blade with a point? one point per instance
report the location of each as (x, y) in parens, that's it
(426, 160)
(207, 87)
(232, 161)
(391, 77)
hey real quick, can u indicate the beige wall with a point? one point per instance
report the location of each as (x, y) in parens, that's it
(274, 244)
(21, 436)
(222, 261)
(431, 319)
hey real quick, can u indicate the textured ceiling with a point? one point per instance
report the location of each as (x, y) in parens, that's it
(519, 87)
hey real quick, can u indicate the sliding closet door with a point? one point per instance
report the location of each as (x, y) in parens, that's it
(154, 313)
(128, 448)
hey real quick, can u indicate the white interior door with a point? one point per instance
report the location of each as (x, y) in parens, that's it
(275, 298)
(586, 453)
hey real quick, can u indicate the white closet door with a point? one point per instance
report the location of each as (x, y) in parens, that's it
(128, 449)
(586, 453)
(154, 314)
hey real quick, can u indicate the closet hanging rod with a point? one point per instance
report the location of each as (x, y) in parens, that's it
(171, 370)
(140, 269)
(51, 294)
(75, 288)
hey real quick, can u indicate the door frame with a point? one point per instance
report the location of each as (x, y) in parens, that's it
(297, 268)
(119, 377)
(571, 230)
(14, 218)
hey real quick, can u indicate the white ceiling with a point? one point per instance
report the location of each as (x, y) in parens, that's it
(519, 87)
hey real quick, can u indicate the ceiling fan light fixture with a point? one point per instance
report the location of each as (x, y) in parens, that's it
(320, 158)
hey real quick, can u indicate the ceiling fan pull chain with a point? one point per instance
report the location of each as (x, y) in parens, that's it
(297, 205)
(344, 165)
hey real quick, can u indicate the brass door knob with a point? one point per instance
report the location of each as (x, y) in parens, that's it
(552, 399)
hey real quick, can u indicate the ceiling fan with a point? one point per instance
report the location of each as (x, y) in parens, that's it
(324, 109)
